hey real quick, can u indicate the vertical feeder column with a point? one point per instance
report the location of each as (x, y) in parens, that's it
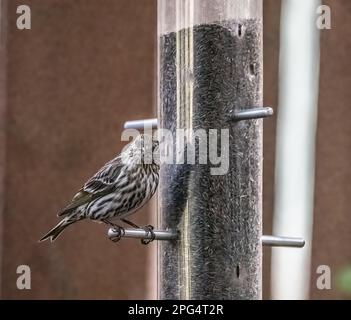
(210, 67)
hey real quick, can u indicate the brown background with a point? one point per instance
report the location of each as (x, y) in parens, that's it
(332, 223)
(70, 82)
(83, 69)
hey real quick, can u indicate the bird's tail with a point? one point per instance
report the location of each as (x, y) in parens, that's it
(56, 231)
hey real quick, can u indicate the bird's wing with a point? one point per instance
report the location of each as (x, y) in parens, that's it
(97, 186)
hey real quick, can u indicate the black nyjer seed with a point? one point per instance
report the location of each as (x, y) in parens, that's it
(207, 73)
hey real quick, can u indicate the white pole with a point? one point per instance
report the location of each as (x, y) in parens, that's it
(295, 153)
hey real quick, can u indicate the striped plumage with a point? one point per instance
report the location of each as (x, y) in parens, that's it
(119, 188)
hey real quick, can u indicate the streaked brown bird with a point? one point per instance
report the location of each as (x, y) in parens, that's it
(118, 189)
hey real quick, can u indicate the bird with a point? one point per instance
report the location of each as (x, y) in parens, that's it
(121, 187)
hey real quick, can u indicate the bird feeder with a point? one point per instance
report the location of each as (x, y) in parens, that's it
(210, 87)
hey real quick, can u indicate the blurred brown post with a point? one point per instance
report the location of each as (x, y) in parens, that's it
(3, 20)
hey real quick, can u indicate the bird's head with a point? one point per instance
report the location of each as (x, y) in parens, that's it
(142, 150)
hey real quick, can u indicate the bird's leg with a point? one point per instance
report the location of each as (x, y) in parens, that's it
(118, 229)
(132, 224)
(110, 223)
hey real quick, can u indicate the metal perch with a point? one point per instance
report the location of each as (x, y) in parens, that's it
(169, 235)
(254, 113)
(141, 124)
(274, 241)
(117, 233)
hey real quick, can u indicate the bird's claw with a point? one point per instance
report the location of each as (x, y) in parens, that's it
(120, 232)
(150, 231)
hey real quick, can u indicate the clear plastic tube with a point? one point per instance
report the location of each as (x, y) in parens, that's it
(174, 15)
(210, 66)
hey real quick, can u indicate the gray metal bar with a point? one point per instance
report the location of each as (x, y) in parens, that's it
(141, 124)
(114, 233)
(256, 113)
(271, 241)
(274, 241)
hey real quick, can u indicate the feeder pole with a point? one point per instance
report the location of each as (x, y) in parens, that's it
(210, 68)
